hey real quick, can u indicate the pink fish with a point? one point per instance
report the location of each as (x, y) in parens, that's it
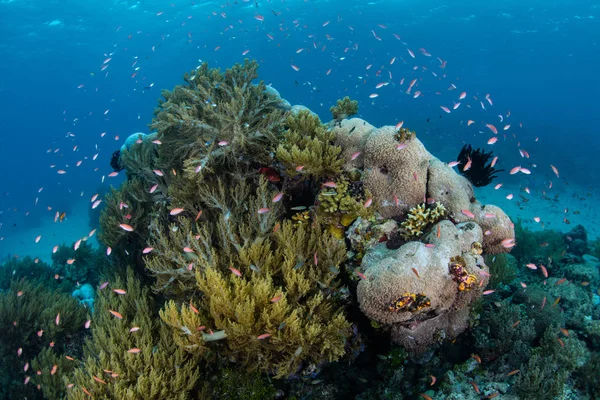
(509, 196)
(498, 186)
(401, 146)
(263, 210)
(235, 271)
(263, 336)
(399, 125)
(126, 227)
(508, 243)
(531, 266)
(467, 213)
(445, 109)
(355, 156)
(453, 164)
(555, 170)
(368, 203)
(514, 170)
(330, 184)
(119, 291)
(492, 140)
(494, 161)
(492, 128)
(176, 211)
(277, 198)
(544, 271)
(485, 293)
(103, 286)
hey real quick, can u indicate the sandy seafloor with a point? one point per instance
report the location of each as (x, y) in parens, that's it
(582, 206)
(73, 228)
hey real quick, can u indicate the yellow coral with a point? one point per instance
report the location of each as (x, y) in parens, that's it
(460, 274)
(419, 218)
(339, 207)
(476, 248)
(410, 302)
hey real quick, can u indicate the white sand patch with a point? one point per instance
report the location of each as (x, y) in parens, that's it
(582, 206)
(74, 227)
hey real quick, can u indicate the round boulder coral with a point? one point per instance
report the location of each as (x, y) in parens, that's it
(419, 282)
(395, 172)
(351, 135)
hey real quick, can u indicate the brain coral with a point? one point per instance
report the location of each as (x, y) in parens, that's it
(417, 268)
(392, 174)
(351, 135)
(401, 175)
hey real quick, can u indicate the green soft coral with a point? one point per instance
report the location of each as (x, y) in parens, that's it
(307, 148)
(339, 206)
(212, 108)
(160, 370)
(344, 108)
(28, 324)
(285, 290)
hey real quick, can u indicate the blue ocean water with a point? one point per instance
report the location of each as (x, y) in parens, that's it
(536, 59)
(77, 78)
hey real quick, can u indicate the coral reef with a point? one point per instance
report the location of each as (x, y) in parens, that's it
(395, 159)
(417, 268)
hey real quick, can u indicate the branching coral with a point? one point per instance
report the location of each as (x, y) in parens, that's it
(419, 218)
(217, 118)
(281, 287)
(344, 108)
(131, 354)
(133, 205)
(307, 148)
(33, 317)
(234, 229)
(340, 204)
(83, 265)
